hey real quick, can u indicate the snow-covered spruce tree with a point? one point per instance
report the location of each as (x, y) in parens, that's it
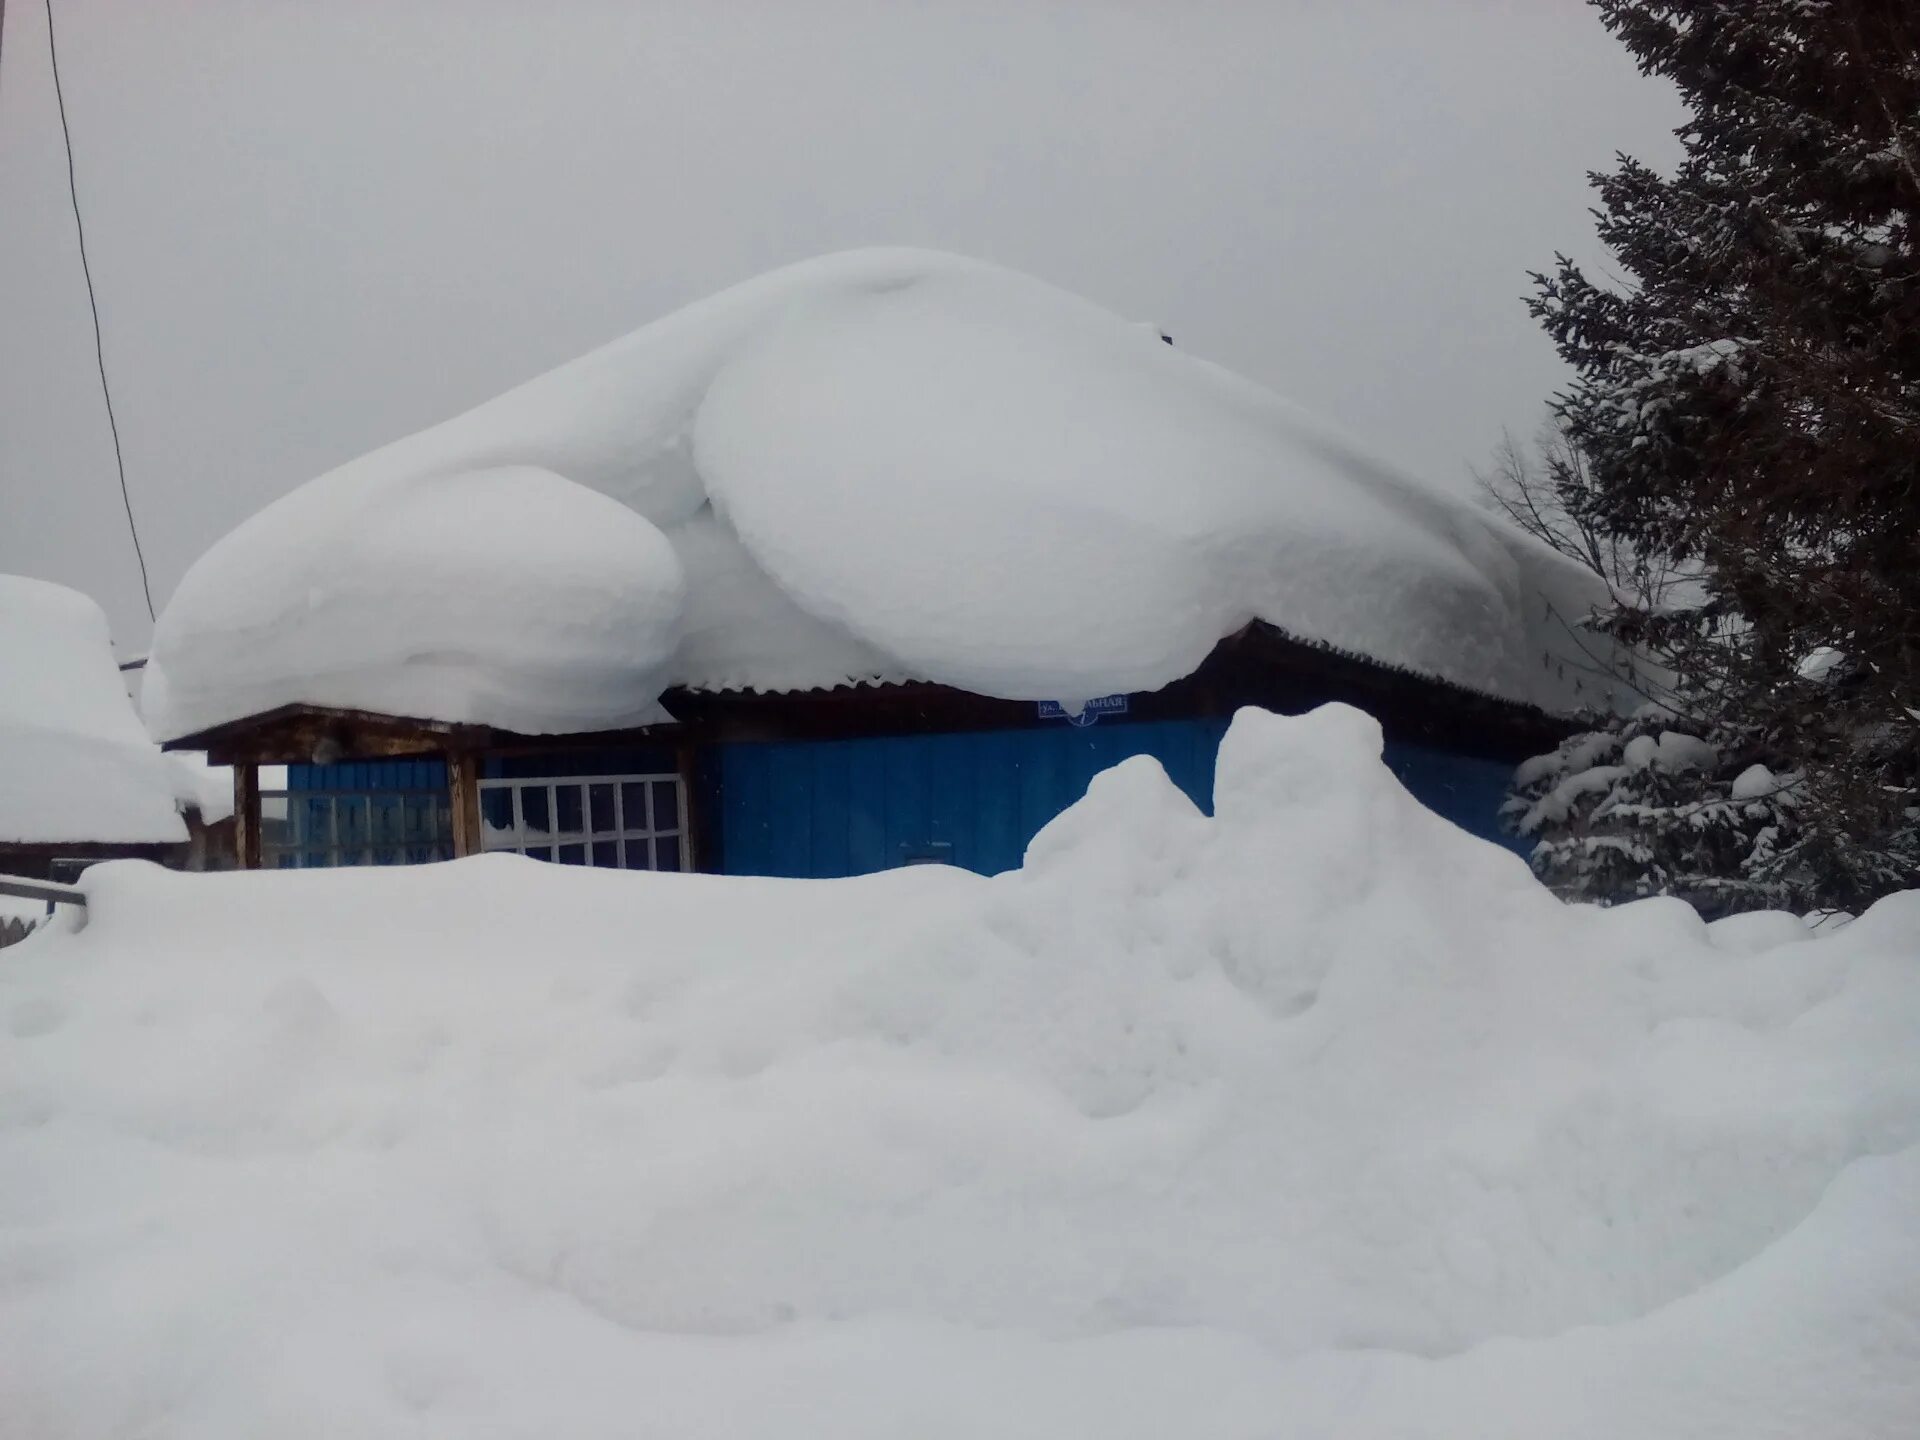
(1747, 406)
(1641, 808)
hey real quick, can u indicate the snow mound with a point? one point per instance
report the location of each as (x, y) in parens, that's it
(886, 464)
(76, 766)
(1317, 1117)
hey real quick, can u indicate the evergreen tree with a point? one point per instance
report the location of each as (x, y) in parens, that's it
(1747, 408)
(1640, 807)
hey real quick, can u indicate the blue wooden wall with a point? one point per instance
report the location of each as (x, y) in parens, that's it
(370, 775)
(558, 764)
(846, 807)
(818, 808)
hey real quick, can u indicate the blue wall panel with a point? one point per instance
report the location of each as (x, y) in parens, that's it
(848, 807)
(1466, 790)
(370, 775)
(639, 760)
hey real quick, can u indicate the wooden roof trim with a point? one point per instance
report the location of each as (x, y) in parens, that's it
(296, 733)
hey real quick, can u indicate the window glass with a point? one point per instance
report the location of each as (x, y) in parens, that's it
(568, 817)
(606, 854)
(600, 808)
(388, 820)
(573, 854)
(639, 855)
(350, 821)
(533, 809)
(539, 852)
(666, 805)
(633, 806)
(313, 821)
(375, 818)
(667, 852)
(496, 812)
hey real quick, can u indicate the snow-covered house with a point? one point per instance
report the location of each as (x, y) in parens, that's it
(870, 561)
(80, 779)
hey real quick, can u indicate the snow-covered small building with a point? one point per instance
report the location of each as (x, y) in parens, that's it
(80, 779)
(838, 570)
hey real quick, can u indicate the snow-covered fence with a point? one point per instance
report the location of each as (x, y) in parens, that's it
(15, 928)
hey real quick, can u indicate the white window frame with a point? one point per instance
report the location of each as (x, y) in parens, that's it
(518, 839)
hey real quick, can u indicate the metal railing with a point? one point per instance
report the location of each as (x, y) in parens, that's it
(15, 928)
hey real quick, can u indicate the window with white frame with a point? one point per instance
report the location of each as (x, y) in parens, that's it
(628, 822)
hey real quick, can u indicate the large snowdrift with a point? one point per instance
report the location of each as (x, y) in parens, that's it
(75, 764)
(881, 465)
(1316, 1118)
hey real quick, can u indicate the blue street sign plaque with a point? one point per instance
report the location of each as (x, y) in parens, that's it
(1094, 709)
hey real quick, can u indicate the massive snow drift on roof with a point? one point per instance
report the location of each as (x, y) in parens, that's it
(75, 764)
(1316, 1118)
(897, 464)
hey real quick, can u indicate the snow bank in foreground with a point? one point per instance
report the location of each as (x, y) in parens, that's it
(1317, 1118)
(881, 465)
(75, 763)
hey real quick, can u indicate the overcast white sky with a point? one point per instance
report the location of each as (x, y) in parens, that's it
(315, 227)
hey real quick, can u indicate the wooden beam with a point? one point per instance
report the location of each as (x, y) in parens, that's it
(686, 761)
(296, 734)
(463, 783)
(246, 815)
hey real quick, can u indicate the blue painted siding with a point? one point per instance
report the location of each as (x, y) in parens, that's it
(559, 764)
(370, 775)
(847, 807)
(1464, 789)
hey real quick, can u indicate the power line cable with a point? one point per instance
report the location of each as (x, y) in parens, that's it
(99, 349)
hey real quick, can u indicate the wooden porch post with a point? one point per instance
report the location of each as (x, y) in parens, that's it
(463, 783)
(687, 763)
(246, 814)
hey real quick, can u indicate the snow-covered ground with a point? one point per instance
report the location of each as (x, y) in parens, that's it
(1318, 1118)
(882, 465)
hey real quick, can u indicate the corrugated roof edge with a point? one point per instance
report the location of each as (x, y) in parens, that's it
(1257, 627)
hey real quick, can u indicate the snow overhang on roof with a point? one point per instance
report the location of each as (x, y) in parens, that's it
(76, 767)
(880, 466)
